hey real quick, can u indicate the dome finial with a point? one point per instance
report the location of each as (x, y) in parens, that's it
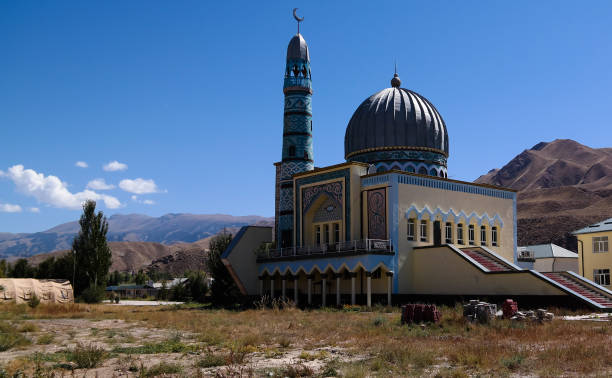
(396, 82)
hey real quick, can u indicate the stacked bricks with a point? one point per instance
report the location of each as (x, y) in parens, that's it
(419, 313)
(509, 308)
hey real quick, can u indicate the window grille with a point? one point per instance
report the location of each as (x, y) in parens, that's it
(423, 231)
(471, 234)
(449, 233)
(600, 244)
(601, 276)
(410, 229)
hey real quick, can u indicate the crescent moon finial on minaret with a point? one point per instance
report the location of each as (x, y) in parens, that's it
(298, 19)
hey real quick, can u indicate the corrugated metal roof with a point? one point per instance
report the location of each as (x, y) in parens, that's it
(542, 251)
(597, 227)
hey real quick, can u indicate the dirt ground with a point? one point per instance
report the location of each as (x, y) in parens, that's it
(193, 341)
(114, 334)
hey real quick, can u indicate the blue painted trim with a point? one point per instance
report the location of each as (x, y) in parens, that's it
(433, 182)
(394, 231)
(233, 243)
(369, 262)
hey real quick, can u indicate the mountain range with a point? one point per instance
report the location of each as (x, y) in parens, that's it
(563, 186)
(165, 230)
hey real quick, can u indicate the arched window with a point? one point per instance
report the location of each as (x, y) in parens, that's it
(483, 235)
(423, 170)
(494, 236)
(306, 155)
(410, 169)
(448, 233)
(382, 168)
(460, 233)
(291, 150)
(471, 235)
(433, 172)
(397, 167)
(441, 174)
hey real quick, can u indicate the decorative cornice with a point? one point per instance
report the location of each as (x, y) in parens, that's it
(297, 89)
(389, 148)
(440, 179)
(331, 168)
(455, 216)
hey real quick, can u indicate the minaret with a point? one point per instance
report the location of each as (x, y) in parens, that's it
(297, 135)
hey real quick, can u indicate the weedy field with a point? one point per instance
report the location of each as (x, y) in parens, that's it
(121, 341)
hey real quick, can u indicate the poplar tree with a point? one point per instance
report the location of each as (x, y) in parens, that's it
(223, 289)
(90, 249)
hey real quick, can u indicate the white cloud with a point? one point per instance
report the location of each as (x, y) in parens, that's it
(34, 210)
(138, 186)
(115, 166)
(144, 202)
(81, 164)
(99, 184)
(9, 208)
(51, 190)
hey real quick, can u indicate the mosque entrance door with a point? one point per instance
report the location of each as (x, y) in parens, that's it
(437, 233)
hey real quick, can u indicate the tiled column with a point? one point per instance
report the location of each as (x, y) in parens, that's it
(309, 289)
(353, 276)
(389, 287)
(283, 287)
(369, 288)
(337, 289)
(323, 289)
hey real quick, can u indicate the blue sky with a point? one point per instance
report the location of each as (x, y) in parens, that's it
(188, 95)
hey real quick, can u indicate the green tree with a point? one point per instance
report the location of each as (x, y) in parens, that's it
(141, 278)
(91, 251)
(223, 289)
(3, 268)
(22, 269)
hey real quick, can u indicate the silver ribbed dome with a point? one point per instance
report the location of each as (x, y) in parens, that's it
(298, 49)
(395, 119)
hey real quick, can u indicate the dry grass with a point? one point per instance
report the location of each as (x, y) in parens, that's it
(381, 346)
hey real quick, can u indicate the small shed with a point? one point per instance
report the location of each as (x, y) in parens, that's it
(547, 258)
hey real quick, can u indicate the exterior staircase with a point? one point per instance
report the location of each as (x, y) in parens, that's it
(492, 263)
(601, 297)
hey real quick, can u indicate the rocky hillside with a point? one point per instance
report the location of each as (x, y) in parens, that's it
(149, 256)
(563, 186)
(167, 229)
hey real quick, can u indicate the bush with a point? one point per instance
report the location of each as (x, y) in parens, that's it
(161, 369)
(33, 302)
(87, 356)
(93, 294)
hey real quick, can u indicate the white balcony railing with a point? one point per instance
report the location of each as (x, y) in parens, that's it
(365, 245)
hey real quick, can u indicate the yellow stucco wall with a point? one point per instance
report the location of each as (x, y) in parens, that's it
(592, 261)
(433, 198)
(442, 271)
(242, 261)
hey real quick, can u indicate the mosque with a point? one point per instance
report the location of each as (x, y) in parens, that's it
(387, 224)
